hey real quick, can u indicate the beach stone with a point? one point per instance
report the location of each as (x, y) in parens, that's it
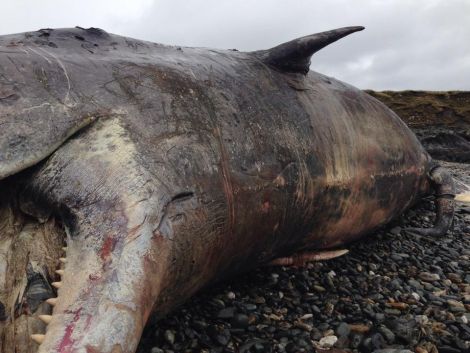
(429, 277)
(343, 329)
(328, 341)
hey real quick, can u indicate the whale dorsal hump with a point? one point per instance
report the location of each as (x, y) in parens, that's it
(294, 56)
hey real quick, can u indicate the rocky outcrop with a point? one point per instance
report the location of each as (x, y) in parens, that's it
(441, 120)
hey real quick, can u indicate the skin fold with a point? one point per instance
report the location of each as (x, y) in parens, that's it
(164, 169)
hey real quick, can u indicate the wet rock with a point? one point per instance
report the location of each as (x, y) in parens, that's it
(455, 306)
(448, 349)
(421, 319)
(387, 334)
(343, 329)
(415, 284)
(429, 277)
(377, 341)
(291, 348)
(219, 303)
(226, 313)
(328, 341)
(240, 321)
(392, 350)
(223, 338)
(169, 336)
(454, 277)
(404, 329)
(462, 319)
(359, 328)
(356, 340)
(250, 307)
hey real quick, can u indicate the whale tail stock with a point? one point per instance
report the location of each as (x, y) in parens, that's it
(444, 189)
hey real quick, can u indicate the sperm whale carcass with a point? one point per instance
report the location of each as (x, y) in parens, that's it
(134, 173)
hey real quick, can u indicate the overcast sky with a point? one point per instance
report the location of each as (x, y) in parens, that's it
(407, 44)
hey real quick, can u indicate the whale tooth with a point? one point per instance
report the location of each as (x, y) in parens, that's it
(56, 284)
(329, 254)
(45, 318)
(301, 259)
(38, 338)
(63, 260)
(463, 197)
(51, 301)
(60, 272)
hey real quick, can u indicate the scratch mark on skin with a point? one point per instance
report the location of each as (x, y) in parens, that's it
(36, 107)
(192, 74)
(228, 187)
(69, 86)
(42, 56)
(14, 64)
(135, 232)
(10, 96)
(136, 203)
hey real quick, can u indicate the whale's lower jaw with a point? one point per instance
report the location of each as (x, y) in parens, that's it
(31, 242)
(71, 284)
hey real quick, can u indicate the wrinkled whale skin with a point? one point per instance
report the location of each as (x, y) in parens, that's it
(173, 167)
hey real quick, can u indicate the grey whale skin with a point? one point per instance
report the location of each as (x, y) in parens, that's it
(173, 167)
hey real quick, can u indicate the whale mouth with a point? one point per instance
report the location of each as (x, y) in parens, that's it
(51, 301)
(31, 246)
(53, 295)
